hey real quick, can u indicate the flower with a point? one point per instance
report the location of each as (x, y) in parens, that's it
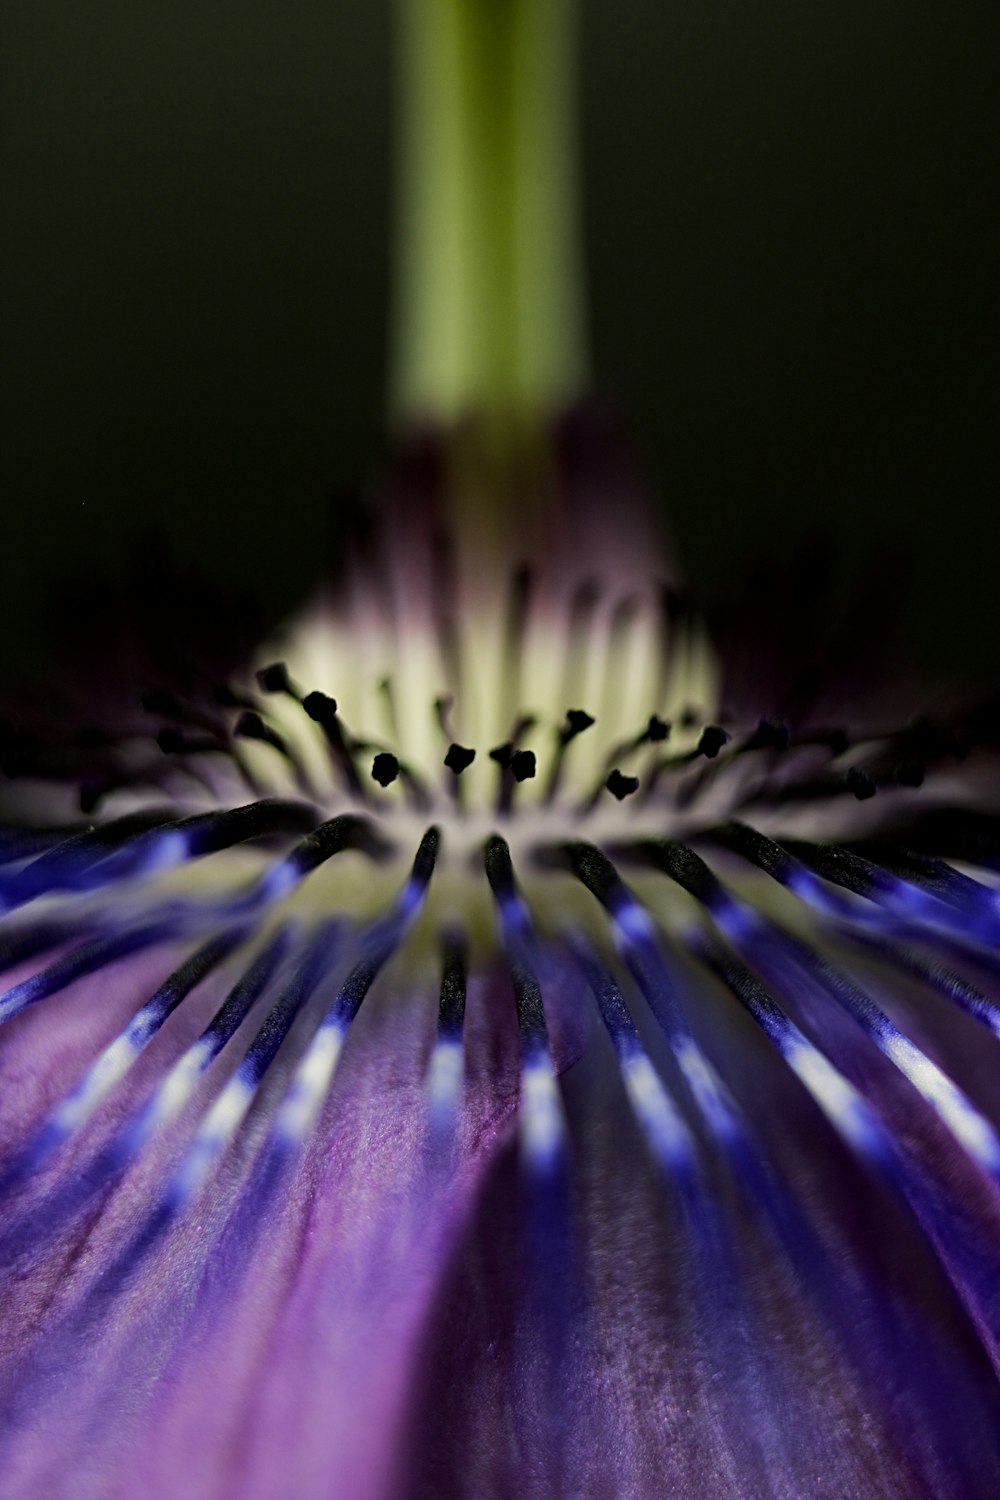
(517, 1075)
(488, 1044)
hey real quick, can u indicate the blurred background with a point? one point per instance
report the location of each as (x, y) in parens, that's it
(792, 215)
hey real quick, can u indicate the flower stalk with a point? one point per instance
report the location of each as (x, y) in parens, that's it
(488, 267)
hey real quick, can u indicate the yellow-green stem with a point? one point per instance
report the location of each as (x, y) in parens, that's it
(488, 276)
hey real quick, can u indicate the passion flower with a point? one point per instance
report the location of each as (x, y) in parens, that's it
(486, 1046)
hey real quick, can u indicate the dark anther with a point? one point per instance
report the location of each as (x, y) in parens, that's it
(459, 758)
(577, 720)
(621, 786)
(502, 754)
(385, 768)
(690, 717)
(323, 711)
(911, 773)
(861, 784)
(770, 734)
(657, 730)
(522, 764)
(320, 708)
(713, 737)
(275, 679)
(251, 726)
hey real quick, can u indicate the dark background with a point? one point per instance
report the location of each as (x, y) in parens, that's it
(792, 213)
